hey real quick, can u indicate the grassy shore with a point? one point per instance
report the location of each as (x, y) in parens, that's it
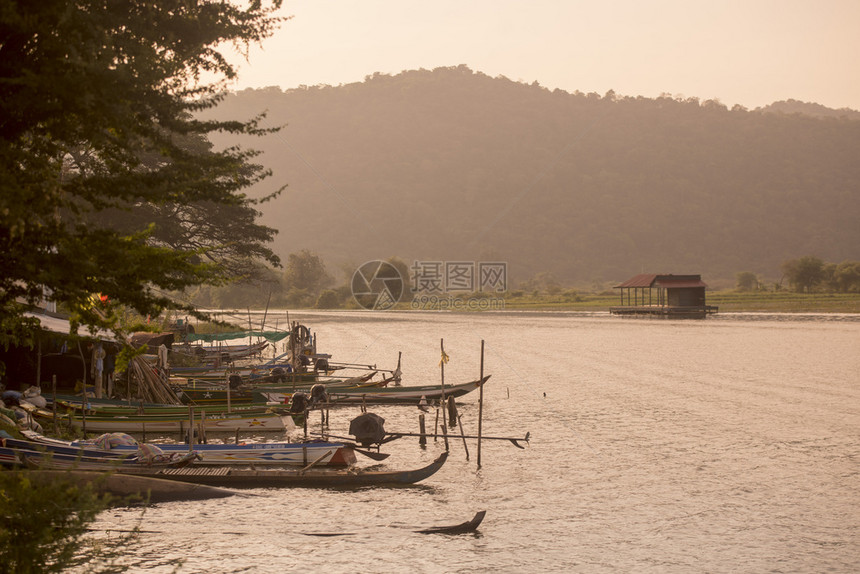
(727, 301)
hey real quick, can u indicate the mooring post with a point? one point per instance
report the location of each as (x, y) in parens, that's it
(422, 440)
(84, 410)
(54, 400)
(190, 428)
(463, 436)
(481, 404)
(436, 426)
(237, 435)
(452, 412)
(203, 439)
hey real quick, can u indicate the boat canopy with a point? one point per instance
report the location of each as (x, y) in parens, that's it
(272, 336)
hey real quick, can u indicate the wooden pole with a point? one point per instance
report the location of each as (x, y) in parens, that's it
(84, 412)
(463, 436)
(442, 364)
(203, 428)
(229, 410)
(422, 440)
(54, 400)
(481, 404)
(39, 365)
(190, 427)
(452, 412)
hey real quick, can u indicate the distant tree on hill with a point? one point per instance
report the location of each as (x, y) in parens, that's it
(844, 277)
(746, 281)
(804, 274)
(304, 278)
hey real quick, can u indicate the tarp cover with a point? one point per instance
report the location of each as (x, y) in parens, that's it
(272, 336)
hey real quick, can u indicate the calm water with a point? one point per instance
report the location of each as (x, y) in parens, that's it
(725, 445)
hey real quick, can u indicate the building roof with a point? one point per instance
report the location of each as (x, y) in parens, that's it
(63, 327)
(666, 281)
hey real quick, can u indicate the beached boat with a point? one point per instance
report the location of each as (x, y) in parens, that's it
(46, 459)
(306, 478)
(324, 453)
(132, 488)
(403, 395)
(218, 422)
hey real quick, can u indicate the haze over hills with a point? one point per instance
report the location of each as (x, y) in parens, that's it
(453, 165)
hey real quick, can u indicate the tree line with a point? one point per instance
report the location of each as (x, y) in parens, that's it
(306, 282)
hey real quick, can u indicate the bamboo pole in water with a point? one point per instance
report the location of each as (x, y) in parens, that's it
(481, 404)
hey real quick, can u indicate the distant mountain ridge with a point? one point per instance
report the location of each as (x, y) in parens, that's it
(810, 109)
(453, 165)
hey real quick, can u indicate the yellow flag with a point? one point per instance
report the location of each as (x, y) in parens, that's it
(444, 358)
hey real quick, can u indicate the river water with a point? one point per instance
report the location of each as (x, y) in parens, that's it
(724, 445)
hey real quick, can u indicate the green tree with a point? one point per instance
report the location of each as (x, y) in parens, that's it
(746, 281)
(805, 273)
(328, 299)
(306, 271)
(96, 99)
(846, 277)
(44, 524)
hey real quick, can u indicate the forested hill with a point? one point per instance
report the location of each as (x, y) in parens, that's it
(453, 165)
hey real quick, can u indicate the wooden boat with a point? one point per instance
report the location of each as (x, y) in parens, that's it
(51, 460)
(305, 478)
(468, 526)
(322, 453)
(404, 395)
(123, 409)
(219, 422)
(129, 486)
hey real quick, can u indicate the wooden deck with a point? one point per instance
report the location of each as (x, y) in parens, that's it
(664, 311)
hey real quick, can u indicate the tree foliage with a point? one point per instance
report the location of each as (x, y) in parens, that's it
(804, 273)
(44, 522)
(96, 118)
(746, 281)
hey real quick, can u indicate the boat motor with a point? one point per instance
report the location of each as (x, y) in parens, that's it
(299, 402)
(234, 382)
(367, 428)
(318, 394)
(278, 375)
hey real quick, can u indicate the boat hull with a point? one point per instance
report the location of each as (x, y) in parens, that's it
(350, 478)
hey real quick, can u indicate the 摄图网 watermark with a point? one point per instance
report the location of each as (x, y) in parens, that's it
(431, 285)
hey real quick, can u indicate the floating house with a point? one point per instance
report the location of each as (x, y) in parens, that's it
(664, 296)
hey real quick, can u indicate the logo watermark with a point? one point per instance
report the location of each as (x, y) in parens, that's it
(433, 285)
(377, 285)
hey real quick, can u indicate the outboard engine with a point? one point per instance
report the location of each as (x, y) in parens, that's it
(321, 364)
(234, 382)
(278, 375)
(367, 428)
(318, 394)
(299, 402)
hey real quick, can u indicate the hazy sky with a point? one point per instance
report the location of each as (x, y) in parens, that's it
(750, 52)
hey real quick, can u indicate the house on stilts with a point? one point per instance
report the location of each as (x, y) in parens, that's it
(663, 296)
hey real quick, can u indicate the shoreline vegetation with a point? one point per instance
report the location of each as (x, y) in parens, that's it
(728, 301)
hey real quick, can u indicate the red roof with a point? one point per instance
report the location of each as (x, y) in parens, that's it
(642, 280)
(666, 281)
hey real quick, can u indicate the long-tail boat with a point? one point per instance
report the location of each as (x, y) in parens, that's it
(325, 453)
(287, 478)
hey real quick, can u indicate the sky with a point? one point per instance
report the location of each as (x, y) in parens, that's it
(750, 52)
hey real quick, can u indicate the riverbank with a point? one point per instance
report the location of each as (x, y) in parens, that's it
(727, 301)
